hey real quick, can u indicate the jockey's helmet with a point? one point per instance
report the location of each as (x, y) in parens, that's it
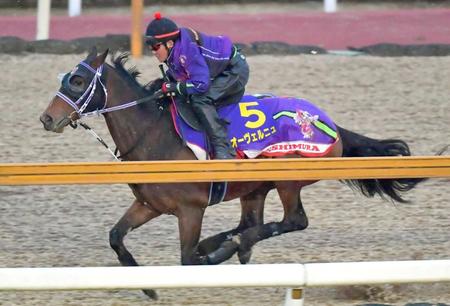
(161, 30)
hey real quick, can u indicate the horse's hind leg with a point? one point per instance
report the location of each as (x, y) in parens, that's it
(294, 217)
(134, 217)
(252, 214)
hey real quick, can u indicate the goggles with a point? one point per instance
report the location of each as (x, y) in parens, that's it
(156, 47)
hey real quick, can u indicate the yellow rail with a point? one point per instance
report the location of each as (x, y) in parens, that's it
(224, 170)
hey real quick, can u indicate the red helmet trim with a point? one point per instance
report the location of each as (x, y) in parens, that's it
(167, 34)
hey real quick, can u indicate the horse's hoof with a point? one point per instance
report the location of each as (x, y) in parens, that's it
(151, 294)
(244, 256)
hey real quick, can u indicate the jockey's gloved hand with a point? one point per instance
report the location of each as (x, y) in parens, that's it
(174, 89)
(158, 94)
(154, 85)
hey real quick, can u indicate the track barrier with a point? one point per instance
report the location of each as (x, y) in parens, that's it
(260, 275)
(257, 275)
(225, 170)
(292, 276)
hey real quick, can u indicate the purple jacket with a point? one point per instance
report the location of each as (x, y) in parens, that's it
(197, 64)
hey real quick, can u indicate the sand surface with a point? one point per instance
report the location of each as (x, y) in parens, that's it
(53, 226)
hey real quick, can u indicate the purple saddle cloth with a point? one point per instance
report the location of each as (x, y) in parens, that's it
(268, 125)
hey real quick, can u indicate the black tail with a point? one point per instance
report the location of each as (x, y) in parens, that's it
(356, 145)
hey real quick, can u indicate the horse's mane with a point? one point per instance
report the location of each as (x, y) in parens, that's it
(130, 75)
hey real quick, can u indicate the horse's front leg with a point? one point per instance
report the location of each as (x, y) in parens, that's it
(190, 220)
(134, 217)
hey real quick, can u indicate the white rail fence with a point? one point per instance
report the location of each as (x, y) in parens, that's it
(74, 8)
(292, 276)
(260, 275)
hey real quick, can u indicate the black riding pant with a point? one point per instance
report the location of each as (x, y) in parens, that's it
(228, 87)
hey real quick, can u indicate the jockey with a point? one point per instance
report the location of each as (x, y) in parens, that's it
(208, 71)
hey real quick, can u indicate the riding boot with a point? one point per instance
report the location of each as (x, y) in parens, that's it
(215, 129)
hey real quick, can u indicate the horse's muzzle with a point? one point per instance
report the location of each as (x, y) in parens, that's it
(47, 121)
(50, 125)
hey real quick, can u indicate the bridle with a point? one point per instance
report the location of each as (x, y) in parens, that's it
(87, 95)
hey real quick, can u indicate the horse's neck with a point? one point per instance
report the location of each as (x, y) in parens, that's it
(140, 134)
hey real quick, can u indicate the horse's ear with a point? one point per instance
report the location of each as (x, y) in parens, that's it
(99, 60)
(92, 54)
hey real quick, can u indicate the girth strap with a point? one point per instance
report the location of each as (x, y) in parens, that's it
(217, 192)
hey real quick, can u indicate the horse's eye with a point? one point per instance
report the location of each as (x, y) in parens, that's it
(77, 83)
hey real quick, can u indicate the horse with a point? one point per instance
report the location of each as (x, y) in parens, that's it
(145, 131)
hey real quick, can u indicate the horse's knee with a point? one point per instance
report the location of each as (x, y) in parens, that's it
(115, 238)
(116, 235)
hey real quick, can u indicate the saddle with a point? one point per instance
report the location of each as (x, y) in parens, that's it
(184, 110)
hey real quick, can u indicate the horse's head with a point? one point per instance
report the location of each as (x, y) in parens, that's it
(82, 90)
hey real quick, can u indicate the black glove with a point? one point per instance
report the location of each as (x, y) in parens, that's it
(154, 85)
(172, 88)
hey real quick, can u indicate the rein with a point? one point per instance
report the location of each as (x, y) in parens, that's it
(96, 136)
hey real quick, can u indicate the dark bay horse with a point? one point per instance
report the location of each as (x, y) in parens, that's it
(139, 132)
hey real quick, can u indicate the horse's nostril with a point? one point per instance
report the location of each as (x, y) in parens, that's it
(46, 120)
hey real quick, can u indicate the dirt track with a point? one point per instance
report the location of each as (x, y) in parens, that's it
(405, 98)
